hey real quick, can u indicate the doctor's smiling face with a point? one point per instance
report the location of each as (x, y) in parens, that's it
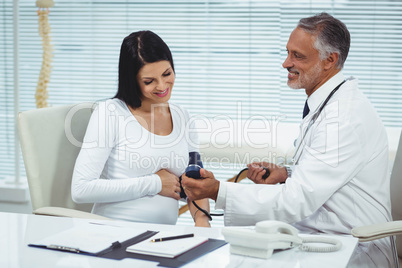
(303, 62)
(156, 81)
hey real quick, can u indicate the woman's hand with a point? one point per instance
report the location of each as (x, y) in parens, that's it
(170, 184)
(277, 174)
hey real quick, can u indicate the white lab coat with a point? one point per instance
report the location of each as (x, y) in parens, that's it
(341, 180)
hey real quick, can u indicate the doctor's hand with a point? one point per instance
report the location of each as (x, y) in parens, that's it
(277, 174)
(206, 187)
(170, 184)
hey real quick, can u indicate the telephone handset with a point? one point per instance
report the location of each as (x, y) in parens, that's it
(261, 242)
(272, 235)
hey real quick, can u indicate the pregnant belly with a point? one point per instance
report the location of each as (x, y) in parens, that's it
(151, 209)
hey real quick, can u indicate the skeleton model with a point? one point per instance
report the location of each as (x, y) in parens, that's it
(44, 31)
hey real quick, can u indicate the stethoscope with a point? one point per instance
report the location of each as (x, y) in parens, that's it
(312, 121)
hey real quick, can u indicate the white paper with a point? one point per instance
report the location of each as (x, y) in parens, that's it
(90, 238)
(170, 248)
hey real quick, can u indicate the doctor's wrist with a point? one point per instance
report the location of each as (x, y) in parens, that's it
(289, 171)
(215, 191)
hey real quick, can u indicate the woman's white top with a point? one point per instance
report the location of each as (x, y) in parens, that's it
(116, 166)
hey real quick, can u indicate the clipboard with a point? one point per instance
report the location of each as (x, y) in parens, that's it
(116, 250)
(91, 240)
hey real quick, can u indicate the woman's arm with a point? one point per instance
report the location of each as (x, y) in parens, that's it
(200, 219)
(99, 141)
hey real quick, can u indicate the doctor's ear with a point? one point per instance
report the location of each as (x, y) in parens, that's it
(331, 60)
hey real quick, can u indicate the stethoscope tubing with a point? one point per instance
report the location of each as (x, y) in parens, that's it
(312, 121)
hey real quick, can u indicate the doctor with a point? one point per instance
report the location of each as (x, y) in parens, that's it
(339, 179)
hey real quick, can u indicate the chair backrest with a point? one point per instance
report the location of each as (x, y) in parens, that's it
(396, 192)
(50, 142)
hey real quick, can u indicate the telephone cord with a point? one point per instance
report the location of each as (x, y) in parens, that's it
(336, 244)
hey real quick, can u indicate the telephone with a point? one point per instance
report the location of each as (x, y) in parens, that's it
(272, 235)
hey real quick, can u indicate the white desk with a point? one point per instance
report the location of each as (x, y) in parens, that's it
(17, 230)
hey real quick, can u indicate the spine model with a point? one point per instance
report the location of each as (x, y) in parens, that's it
(41, 94)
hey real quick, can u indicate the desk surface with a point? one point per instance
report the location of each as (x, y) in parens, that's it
(17, 230)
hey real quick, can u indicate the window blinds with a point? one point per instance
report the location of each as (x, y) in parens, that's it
(228, 54)
(7, 166)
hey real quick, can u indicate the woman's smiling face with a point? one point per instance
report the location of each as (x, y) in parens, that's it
(156, 81)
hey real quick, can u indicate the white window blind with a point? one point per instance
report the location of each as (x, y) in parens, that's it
(228, 55)
(7, 166)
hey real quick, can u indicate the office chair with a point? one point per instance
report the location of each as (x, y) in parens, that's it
(50, 142)
(393, 228)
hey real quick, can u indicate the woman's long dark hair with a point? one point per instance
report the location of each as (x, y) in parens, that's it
(138, 49)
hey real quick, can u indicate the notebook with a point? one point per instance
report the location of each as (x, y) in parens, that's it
(167, 249)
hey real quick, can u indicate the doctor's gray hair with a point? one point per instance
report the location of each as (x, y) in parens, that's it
(332, 36)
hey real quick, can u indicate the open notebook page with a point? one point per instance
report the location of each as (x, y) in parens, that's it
(168, 249)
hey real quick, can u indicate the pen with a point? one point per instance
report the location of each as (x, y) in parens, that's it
(171, 238)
